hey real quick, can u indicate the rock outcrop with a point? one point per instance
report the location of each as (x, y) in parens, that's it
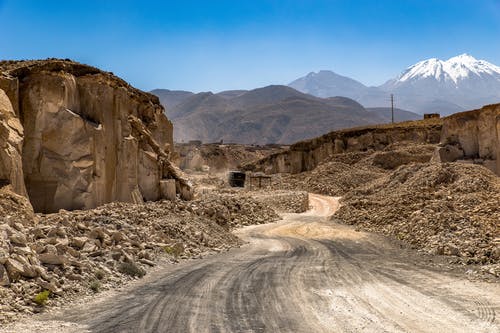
(472, 136)
(89, 137)
(220, 157)
(11, 142)
(306, 155)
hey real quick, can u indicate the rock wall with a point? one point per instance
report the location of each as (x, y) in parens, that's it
(11, 142)
(473, 136)
(89, 137)
(220, 157)
(306, 155)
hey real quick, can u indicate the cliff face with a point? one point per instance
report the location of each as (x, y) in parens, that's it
(476, 134)
(11, 143)
(89, 137)
(306, 155)
(218, 157)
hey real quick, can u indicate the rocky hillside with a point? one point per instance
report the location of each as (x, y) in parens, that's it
(442, 208)
(306, 155)
(77, 137)
(50, 259)
(170, 98)
(273, 114)
(473, 137)
(399, 114)
(437, 192)
(470, 137)
(220, 157)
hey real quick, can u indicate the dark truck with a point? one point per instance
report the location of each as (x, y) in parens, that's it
(236, 178)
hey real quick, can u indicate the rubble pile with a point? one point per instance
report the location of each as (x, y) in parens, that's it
(285, 201)
(233, 208)
(282, 201)
(344, 172)
(451, 209)
(331, 178)
(47, 259)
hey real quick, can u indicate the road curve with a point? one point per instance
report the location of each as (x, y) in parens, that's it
(303, 274)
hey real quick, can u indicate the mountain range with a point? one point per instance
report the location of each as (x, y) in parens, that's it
(311, 106)
(272, 114)
(457, 84)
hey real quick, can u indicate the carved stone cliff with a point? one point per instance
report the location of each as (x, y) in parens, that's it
(306, 155)
(89, 137)
(472, 136)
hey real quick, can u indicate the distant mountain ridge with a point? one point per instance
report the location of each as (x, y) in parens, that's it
(171, 97)
(272, 114)
(432, 85)
(311, 106)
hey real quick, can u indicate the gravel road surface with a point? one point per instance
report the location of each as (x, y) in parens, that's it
(303, 274)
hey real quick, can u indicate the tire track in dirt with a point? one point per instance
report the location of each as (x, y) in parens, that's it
(303, 274)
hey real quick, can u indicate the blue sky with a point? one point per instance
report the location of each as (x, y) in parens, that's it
(239, 44)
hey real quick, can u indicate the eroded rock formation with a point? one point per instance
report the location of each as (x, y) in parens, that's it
(89, 137)
(306, 155)
(11, 141)
(472, 136)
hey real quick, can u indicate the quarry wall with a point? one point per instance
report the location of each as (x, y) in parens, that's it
(306, 155)
(78, 137)
(476, 135)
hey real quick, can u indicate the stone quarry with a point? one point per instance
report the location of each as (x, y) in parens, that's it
(472, 137)
(440, 196)
(87, 161)
(306, 155)
(71, 254)
(86, 164)
(78, 137)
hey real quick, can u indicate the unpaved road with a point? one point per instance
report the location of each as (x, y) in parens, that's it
(304, 274)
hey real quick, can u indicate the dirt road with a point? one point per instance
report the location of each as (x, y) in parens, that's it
(304, 274)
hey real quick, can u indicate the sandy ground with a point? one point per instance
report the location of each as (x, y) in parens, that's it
(303, 274)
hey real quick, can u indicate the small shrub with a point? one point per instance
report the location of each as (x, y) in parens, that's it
(100, 274)
(175, 250)
(131, 269)
(42, 297)
(95, 286)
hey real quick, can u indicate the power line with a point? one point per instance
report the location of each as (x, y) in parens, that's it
(392, 108)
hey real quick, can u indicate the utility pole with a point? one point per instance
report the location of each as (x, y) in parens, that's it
(392, 108)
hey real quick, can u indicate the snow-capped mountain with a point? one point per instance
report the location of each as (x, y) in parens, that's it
(432, 85)
(455, 70)
(457, 84)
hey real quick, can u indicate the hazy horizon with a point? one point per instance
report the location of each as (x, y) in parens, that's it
(223, 45)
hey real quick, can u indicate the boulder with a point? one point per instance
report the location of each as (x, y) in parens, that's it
(18, 239)
(448, 153)
(14, 268)
(4, 277)
(52, 259)
(79, 242)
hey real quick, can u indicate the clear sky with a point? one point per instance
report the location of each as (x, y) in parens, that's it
(217, 45)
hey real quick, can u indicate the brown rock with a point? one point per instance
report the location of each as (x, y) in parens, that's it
(14, 268)
(50, 286)
(52, 259)
(447, 153)
(4, 277)
(118, 236)
(79, 242)
(11, 136)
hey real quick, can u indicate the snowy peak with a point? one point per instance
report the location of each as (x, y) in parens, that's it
(453, 70)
